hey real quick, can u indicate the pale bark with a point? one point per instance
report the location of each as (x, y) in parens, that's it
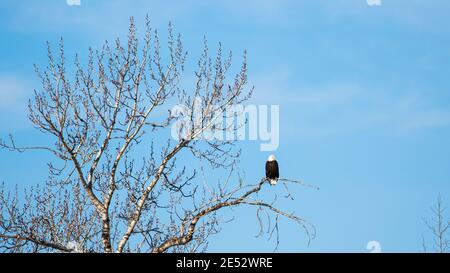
(106, 118)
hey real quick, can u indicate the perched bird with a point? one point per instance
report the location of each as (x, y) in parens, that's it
(272, 173)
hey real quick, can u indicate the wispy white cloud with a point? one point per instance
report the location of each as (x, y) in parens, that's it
(260, 12)
(14, 94)
(346, 108)
(106, 19)
(91, 19)
(427, 119)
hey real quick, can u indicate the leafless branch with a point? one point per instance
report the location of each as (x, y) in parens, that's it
(120, 181)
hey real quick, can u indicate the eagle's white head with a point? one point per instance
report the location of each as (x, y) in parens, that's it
(271, 158)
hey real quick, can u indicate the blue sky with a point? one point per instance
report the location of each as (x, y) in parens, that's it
(364, 95)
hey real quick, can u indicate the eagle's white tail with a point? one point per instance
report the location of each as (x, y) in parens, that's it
(273, 181)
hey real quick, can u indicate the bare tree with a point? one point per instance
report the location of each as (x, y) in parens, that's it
(119, 181)
(439, 227)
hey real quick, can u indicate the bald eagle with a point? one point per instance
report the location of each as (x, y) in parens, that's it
(272, 170)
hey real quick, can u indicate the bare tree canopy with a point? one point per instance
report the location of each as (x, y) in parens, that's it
(438, 225)
(119, 182)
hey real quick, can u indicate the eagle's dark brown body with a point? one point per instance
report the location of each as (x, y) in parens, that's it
(272, 171)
